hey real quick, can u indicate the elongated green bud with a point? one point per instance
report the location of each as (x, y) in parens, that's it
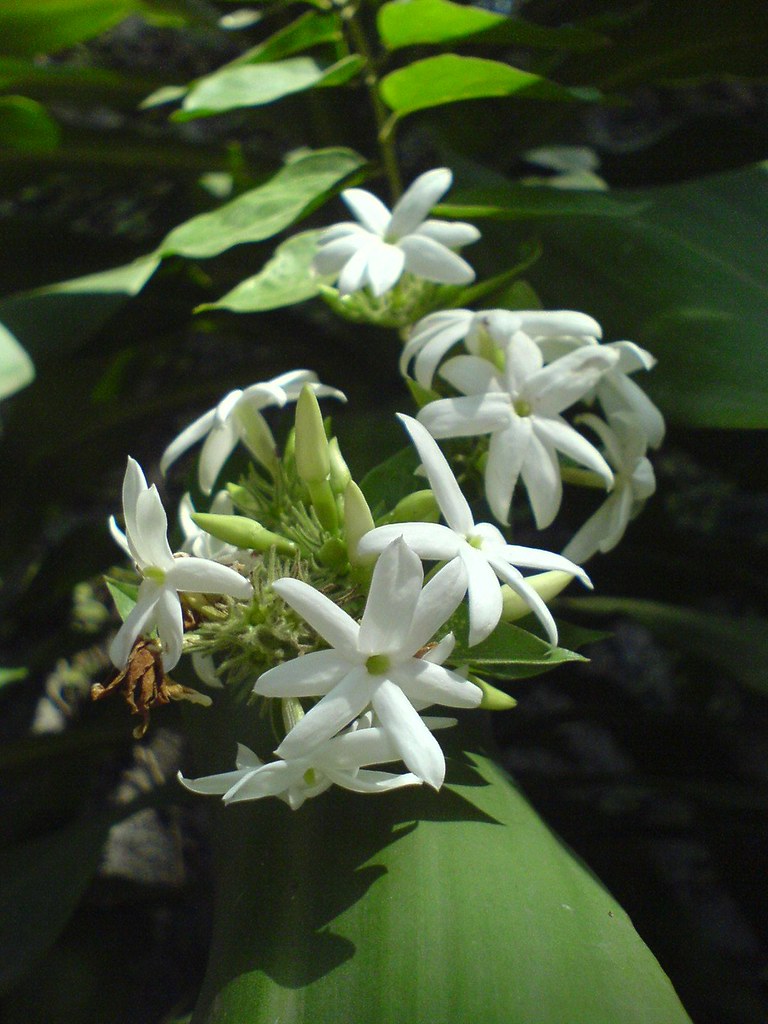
(493, 699)
(357, 522)
(546, 584)
(417, 507)
(340, 475)
(292, 712)
(313, 463)
(243, 533)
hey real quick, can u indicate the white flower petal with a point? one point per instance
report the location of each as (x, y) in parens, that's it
(134, 484)
(368, 209)
(271, 779)
(392, 600)
(141, 615)
(537, 558)
(417, 201)
(325, 617)
(428, 683)
(190, 435)
(618, 394)
(310, 675)
(485, 601)
(170, 627)
(430, 541)
(150, 538)
(212, 784)
(429, 341)
(331, 257)
(515, 581)
(466, 416)
(471, 375)
(331, 714)
(354, 274)
(385, 267)
(437, 602)
(373, 782)
(246, 758)
(590, 537)
(453, 504)
(540, 474)
(203, 576)
(444, 649)
(418, 747)
(558, 434)
(119, 537)
(507, 451)
(434, 262)
(524, 360)
(557, 386)
(217, 447)
(452, 234)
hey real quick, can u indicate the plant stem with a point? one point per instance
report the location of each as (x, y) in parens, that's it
(385, 131)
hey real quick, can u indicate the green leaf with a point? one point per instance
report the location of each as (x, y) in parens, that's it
(510, 652)
(449, 79)
(293, 192)
(123, 594)
(16, 368)
(254, 85)
(439, 22)
(283, 281)
(32, 27)
(41, 883)
(311, 29)
(455, 908)
(684, 278)
(392, 480)
(532, 202)
(736, 644)
(54, 320)
(26, 125)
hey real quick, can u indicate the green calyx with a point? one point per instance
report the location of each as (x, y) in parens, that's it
(243, 533)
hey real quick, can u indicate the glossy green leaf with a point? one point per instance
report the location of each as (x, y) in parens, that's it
(509, 652)
(391, 480)
(25, 124)
(41, 883)
(30, 27)
(440, 22)
(54, 320)
(8, 676)
(684, 278)
(530, 202)
(455, 908)
(450, 78)
(254, 85)
(736, 644)
(16, 368)
(283, 281)
(266, 210)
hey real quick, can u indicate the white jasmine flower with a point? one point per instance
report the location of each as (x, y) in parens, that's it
(342, 761)
(238, 417)
(433, 336)
(377, 249)
(164, 577)
(520, 409)
(373, 664)
(615, 392)
(625, 445)
(196, 541)
(487, 557)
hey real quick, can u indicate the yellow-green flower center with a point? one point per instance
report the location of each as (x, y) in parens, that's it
(152, 572)
(522, 408)
(377, 664)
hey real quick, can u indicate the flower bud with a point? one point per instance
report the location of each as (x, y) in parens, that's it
(416, 507)
(546, 584)
(313, 462)
(243, 533)
(357, 522)
(493, 699)
(340, 475)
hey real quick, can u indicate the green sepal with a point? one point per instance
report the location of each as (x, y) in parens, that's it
(493, 699)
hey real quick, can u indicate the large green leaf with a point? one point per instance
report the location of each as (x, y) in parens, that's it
(450, 78)
(57, 318)
(455, 908)
(310, 29)
(438, 22)
(528, 202)
(736, 644)
(684, 278)
(254, 85)
(285, 280)
(16, 368)
(31, 27)
(25, 124)
(266, 210)
(510, 653)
